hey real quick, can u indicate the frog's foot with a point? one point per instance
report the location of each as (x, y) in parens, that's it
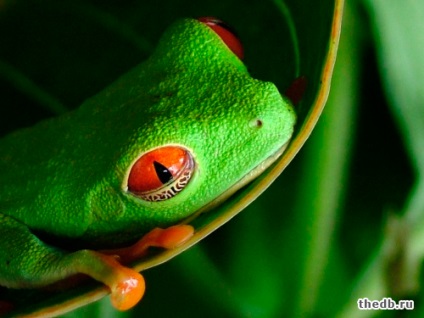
(126, 285)
(36, 265)
(168, 238)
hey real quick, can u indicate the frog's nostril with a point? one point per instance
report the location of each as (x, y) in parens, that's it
(256, 123)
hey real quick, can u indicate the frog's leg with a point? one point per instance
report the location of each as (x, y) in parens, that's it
(168, 238)
(26, 262)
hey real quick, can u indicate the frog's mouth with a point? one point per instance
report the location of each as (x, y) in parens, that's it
(245, 180)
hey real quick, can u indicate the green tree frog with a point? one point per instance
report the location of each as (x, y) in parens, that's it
(186, 128)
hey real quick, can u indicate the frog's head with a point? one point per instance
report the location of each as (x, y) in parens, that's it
(209, 127)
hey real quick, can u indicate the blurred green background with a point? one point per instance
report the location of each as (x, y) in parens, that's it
(344, 219)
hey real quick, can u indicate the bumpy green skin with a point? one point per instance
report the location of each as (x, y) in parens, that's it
(66, 177)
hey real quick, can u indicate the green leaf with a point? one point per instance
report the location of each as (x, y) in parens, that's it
(395, 265)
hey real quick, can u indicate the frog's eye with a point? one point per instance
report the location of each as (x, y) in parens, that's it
(161, 173)
(226, 34)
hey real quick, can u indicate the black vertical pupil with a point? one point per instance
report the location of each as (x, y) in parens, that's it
(162, 172)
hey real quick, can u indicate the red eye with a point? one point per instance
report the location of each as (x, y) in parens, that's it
(226, 33)
(161, 174)
(296, 90)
